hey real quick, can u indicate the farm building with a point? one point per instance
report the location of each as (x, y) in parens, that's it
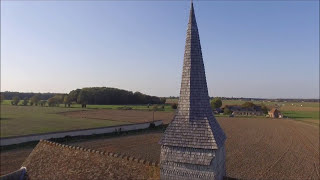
(245, 111)
(275, 113)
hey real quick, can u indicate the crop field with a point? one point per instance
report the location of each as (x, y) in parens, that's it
(256, 148)
(23, 120)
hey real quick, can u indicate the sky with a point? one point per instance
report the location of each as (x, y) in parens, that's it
(259, 49)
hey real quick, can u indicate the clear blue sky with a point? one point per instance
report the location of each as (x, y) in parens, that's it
(251, 49)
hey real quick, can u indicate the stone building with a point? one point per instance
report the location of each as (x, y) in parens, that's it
(192, 146)
(275, 113)
(245, 111)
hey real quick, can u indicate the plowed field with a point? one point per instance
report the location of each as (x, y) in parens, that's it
(256, 148)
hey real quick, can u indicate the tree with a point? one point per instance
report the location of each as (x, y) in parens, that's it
(264, 109)
(10, 95)
(174, 106)
(25, 101)
(227, 111)
(73, 95)
(1, 98)
(54, 101)
(163, 100)
(83, 98)
(66, 101)
(35, 100)
(15, 100)
(248, 105)
(216, 103)
(43, 103)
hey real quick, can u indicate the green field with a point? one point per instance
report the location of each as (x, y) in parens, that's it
(23, 120)
(167, 108)
(307, 112)
(310, 117)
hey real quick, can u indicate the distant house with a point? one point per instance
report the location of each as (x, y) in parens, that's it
(275, 113)
(246, 111)
(217, 111)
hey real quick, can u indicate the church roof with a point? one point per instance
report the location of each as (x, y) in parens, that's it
(273, 110)
(50, 160)
(194, 125)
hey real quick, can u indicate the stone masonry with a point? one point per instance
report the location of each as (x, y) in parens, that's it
(192, 146)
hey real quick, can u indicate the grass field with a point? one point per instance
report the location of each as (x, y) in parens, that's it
(307, 112)
(133, 116)
(167, 108)
(23, 120)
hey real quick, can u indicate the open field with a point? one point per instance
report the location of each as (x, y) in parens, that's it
(132, 116)
(306, 112)
(310, 117)
(23, 120)
(258, 148)
(167, 108)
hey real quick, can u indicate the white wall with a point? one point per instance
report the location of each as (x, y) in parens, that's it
(104, 130)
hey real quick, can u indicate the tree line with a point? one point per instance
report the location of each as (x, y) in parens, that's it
(84, 96)
(106, 95)
(7, 95)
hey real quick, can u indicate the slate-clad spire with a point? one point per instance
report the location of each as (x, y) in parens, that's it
(194, 125)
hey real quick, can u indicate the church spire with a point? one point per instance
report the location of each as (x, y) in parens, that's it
(194, 125)
(192, 147)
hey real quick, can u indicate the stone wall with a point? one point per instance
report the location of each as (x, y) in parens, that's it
(83, 132)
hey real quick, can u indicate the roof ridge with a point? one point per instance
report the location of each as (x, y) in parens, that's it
(111, 154)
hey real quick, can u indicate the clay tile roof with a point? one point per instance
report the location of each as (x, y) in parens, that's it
(194, 125)
(273, 110)
(55, 161)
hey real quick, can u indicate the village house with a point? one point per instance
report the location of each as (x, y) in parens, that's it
(275, 113)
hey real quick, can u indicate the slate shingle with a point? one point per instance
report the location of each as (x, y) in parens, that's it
(194, 125)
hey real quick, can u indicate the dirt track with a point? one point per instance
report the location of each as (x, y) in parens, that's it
(256, 148)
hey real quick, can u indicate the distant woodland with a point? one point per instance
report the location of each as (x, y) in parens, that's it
(92, 95)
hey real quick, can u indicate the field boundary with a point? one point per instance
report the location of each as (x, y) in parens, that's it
(80, 132)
